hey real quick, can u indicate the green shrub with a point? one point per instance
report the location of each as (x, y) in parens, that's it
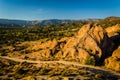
(90, 61)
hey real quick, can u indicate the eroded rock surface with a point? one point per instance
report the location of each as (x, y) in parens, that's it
(91, 40)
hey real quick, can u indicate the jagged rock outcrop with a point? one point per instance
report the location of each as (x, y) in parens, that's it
(91, 40)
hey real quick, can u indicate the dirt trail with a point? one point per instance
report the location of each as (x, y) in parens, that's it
(62, 62)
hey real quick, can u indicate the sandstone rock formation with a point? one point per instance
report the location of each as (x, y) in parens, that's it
(47, 49)
(91, 40)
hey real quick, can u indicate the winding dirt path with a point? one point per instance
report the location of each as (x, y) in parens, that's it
(65, 63)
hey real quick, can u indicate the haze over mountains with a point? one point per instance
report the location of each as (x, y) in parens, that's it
(26, 23)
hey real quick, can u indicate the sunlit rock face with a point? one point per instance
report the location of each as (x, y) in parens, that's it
(90, 40)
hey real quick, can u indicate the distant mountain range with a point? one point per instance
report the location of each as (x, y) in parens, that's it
(24, 23)
(5, 23)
